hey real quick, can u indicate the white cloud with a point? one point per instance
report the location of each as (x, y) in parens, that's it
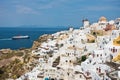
(99, 8)
(48, 6)
(25, 10)
(111, 0)
(52, 4)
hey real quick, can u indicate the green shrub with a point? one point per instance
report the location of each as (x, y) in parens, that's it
(83, 58)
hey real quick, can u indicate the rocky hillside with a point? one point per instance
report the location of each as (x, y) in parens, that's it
(40, 40)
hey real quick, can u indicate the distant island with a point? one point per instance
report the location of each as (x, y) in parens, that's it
(34, 26)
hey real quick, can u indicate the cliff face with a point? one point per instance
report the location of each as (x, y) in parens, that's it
(35, 45)
(40, 40)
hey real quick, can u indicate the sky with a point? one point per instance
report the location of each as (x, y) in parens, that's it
(56, 12)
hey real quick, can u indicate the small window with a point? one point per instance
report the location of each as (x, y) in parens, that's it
(88, 40)
(105, 54)
(116, 50)
(66, 61)
(111, 49)
(93, 55)
(80, 76)
(97, 55)
(90, 61)
(96, 68)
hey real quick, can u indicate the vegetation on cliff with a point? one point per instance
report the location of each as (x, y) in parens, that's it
(40, 40)
(13, 64)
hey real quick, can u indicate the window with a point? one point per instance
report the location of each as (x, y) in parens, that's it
(116, 50)
(93, 55)
(68, 74)
(80, 76)
(68, 54)
(112, 33)
(113, 49)
(90, 61)
(97, 55)
(66, 61)
(105, 54)
(96, 68)
(88, 40)
(82, 69)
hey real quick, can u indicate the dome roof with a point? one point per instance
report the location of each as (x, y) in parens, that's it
(85, 20)
(116, 41)
(117, 58)
(102, 18)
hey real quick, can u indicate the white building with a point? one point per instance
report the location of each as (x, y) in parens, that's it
(102, 23)
(86, 23)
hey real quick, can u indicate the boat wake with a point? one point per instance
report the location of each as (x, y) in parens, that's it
(6, 39)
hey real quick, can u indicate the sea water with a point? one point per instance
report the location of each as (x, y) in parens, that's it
(6, 35)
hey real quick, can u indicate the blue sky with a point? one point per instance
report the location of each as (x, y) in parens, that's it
(56, 12)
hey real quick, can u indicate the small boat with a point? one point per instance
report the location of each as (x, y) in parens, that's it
(20, 37)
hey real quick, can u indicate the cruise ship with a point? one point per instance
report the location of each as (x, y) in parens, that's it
(20, 37)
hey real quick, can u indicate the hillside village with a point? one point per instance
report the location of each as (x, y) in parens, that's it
(89, 53)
